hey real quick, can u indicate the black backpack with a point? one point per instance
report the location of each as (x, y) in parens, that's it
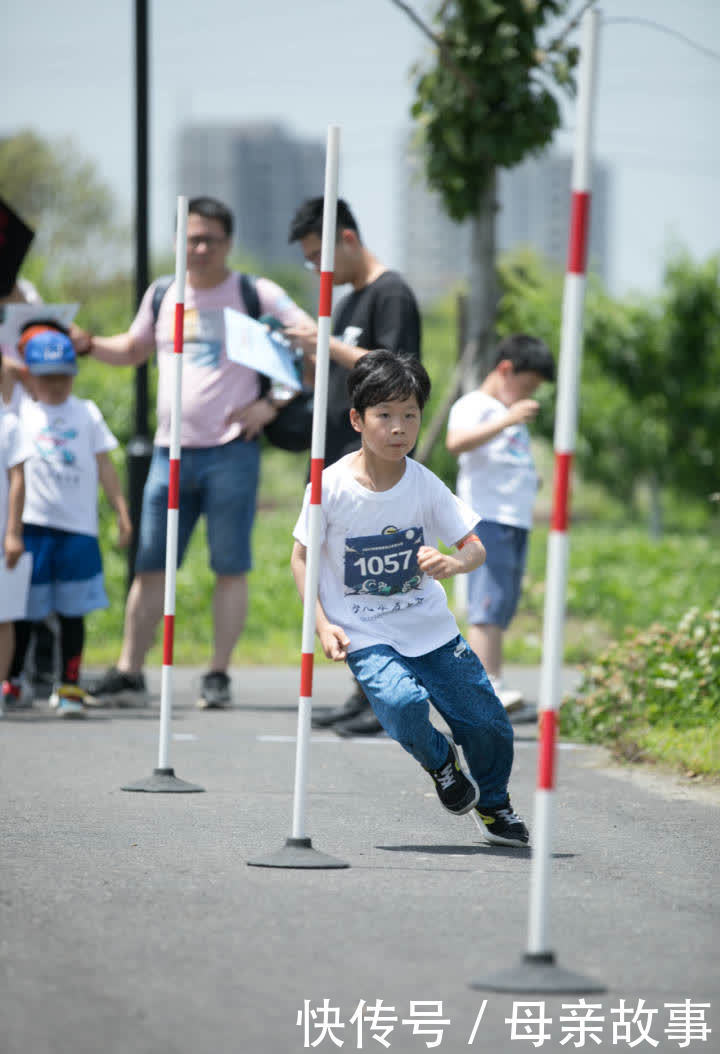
(292, 428)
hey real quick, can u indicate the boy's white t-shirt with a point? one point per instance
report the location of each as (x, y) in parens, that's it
(61, 475)
(369, 581)
(14, 449)
(498, 478)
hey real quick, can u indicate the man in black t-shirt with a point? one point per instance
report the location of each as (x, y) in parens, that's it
(380, 312)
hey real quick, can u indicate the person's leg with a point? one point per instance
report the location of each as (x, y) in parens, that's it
(461, 692)
(228, 478)
(68, 698)
(230, 601)
(486, 641)
(400, 701)
(143, 611)
(7, 646)
(14, 694)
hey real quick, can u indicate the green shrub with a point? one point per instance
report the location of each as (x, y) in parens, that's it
(655, 694)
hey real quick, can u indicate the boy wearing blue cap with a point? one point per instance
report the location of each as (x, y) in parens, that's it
(70, 442)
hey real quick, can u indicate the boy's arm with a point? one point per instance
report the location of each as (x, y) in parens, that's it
(460, 440)
(13, 541)
(111, 485)
(470, 554)
(333, 638)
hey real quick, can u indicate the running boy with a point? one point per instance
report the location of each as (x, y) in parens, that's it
(381, 606)
(487, 429)
(70, 443)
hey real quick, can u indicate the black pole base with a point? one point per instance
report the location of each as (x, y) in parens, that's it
(539, 973)
(164, 781)
(298, 852)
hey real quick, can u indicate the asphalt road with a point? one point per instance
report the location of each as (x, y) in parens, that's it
(131, 923)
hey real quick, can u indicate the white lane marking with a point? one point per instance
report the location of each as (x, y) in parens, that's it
(184, 736)
(326, 739)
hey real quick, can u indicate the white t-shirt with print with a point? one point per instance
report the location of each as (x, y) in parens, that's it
(61, 475)
(498, 478)
(14, 449)
(212, 385)
(369, 581)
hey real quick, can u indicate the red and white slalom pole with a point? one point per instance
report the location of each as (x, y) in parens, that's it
(317, 463)
(163, 778)
(565, 432)
(166, 685)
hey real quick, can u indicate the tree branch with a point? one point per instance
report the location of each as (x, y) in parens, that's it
(445, 56)
(572, 24)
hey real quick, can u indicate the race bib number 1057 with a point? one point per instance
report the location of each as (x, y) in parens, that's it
(383, 564)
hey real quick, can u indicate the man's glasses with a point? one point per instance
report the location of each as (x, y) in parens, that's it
(211, 240)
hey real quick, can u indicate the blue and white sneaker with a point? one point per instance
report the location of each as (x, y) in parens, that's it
(67, 700)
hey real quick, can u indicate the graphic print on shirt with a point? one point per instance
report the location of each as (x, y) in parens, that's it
(203, 336)
(52, 443)
(517, 445)
(383, 564)
(351, 335)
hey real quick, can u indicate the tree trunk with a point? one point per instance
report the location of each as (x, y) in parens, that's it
(483, 296)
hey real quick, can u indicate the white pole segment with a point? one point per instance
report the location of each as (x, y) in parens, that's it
(317, 457)
(565, 432)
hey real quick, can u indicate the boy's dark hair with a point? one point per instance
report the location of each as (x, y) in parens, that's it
(381, 376)
(47, 323)
(527, 355)
(212, 209)
(309, 216)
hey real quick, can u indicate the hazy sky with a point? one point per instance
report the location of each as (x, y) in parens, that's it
(67, 69)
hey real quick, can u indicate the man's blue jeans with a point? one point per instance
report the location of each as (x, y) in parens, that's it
(400, 688)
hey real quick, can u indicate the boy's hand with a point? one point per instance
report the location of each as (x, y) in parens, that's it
(436, 564)
(523, 410)
(334, 642)
(13, 548)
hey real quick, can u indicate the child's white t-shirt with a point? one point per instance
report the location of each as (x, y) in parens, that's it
(61, 475)
(14, 449)
(369, 581)
(498, 478)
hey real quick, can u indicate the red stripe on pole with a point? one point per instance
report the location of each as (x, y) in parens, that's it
(179, 324)
(306, 675)
(168, 640)
(174, 484)
(547, 720)
(561, 494)
(316, 470)
(326, 288)
(579, 228)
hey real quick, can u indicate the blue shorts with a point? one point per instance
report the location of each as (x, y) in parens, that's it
(494, 588)
(67, 576)
(218, 482)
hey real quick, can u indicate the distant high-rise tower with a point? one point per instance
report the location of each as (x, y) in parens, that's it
(534, 200)
(260, 171)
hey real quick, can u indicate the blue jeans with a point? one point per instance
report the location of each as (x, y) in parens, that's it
(400, 688)
(219, 482)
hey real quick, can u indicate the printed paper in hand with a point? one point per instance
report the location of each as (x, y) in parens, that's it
(14, 586)
(250, 343)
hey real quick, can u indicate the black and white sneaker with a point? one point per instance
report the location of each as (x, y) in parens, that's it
(456, 791)
(214, 691)
(116, 688)
(502, 825)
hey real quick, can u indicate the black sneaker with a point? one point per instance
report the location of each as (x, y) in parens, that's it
(116, 688)
(363, 724)
(456, 791)
(214, 691)
(502, 825)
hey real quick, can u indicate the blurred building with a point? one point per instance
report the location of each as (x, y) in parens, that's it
(260, 171)
(534, 211)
